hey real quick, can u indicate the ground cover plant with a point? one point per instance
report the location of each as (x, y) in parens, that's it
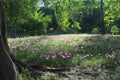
(96, 51)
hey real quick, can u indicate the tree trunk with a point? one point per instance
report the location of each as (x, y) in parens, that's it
(102, 23)
(8, 69)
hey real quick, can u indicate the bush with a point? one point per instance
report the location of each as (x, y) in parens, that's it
(114, 30)
(76, 26)
(95, 30)
(64, 24)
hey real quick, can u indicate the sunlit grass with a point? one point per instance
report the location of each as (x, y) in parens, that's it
(70, 50)
(94, 50)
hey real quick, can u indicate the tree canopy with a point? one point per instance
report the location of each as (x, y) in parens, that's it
(58, 16)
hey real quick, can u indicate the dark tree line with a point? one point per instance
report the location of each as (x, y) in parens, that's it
(26, 17)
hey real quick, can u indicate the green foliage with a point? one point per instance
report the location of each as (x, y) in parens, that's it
(76, 26)
(114, 30)
(49, 77)
(58, 14)
(39, 23)
(26, 75)
(95, 30)
(61, 15)
(17, 12)
(65, 24)
(112, 10)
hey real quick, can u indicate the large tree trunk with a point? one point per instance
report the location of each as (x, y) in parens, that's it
(8, 69)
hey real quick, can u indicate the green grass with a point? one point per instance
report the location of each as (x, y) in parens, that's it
(68, 50)
(26, 75)
(40, 49)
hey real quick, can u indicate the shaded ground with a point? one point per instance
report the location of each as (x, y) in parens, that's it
(84, 73)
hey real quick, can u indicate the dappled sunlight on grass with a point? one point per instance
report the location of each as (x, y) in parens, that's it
(61, 50)
(94, 52)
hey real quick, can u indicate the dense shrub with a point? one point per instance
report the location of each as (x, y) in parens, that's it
(114, 30)
(95, 30)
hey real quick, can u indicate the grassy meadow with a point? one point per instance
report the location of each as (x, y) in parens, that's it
(70, 50)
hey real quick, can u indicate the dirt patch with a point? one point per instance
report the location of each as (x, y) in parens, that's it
(84, 73)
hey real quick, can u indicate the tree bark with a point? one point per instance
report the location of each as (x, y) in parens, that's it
(7, 67)
(8, 70)
(102, 23)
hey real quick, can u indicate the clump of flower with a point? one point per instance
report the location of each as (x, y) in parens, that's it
(79, 47)
(107, 55)
(118, 51)
(31, 48)
(22, 48)
(86, 56)
(54, 54)
(13, 48)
